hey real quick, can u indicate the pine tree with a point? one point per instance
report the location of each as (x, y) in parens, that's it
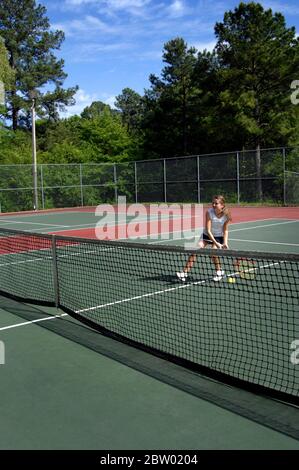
(170, 101)
(259, 58)
(29, 41)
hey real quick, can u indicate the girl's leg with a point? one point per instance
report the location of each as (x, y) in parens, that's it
(189, 264)
(192, 258)
(184, 274)
(219, 273)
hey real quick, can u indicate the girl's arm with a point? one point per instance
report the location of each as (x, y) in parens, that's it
(209, 232)
(225, 235)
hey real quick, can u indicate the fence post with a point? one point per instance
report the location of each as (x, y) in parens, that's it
(42, 185)
(136, 182)
(238, 178)
(284, 176)
(115, 182)
(81, 184)
(34, 159)
(164, 180)
(198, 181)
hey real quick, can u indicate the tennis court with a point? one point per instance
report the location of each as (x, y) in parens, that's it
(80, 389)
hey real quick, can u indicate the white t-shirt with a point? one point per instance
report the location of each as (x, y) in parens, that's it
(217, 223)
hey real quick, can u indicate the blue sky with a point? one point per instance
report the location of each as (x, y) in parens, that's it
(113, 44)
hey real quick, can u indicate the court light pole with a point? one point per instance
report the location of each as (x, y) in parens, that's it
(34, 160)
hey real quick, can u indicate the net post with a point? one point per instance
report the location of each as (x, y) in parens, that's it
(55, 271)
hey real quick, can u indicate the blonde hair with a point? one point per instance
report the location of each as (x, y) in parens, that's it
(225, 210)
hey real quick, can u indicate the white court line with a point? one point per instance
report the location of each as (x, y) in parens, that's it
(165, 219)
(49, 229)
(262, 226)
(171, 289)
(89, 225)
(29, 223)
(25, 261)
(260, 241)
(41, 230)
(32, 321)
(150, 294)
(201, 228)
(69, 255)
(74, 227)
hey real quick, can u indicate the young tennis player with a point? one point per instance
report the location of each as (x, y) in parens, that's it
(215, 235)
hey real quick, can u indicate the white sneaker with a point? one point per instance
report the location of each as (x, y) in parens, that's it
(219, 275)
(182, 276)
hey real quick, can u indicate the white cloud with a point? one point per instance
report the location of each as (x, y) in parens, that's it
(132, 6)
(177, 9)
(124, 4)
(200, 46)
(110, 101)
(89, 24)
(80, 2)
(91, 52)
(82, 99)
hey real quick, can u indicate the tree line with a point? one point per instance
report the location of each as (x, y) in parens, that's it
(234, 97)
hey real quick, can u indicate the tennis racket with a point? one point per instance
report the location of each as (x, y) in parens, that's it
(245, 268)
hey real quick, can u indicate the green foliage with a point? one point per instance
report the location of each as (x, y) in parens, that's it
(6, 77)
(15, 147)
(131, 106)
(29, 42)
(170, 103)
(6, 72)
(236, 97)
(99, 139)
(259, 57)
(95, 110)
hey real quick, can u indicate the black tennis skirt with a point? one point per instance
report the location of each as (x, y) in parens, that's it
(207, 239)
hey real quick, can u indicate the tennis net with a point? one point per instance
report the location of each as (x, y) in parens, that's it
(243, 328)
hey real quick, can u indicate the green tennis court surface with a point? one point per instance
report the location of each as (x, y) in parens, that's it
(67, 387)
(243, 329)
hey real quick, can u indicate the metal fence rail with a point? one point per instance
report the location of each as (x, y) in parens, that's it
(243, 177)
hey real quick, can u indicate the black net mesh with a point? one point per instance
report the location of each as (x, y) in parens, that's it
(243, 325)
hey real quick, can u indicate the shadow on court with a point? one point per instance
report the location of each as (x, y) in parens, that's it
(259, 409)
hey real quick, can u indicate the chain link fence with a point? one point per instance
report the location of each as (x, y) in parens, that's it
(266, 176)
